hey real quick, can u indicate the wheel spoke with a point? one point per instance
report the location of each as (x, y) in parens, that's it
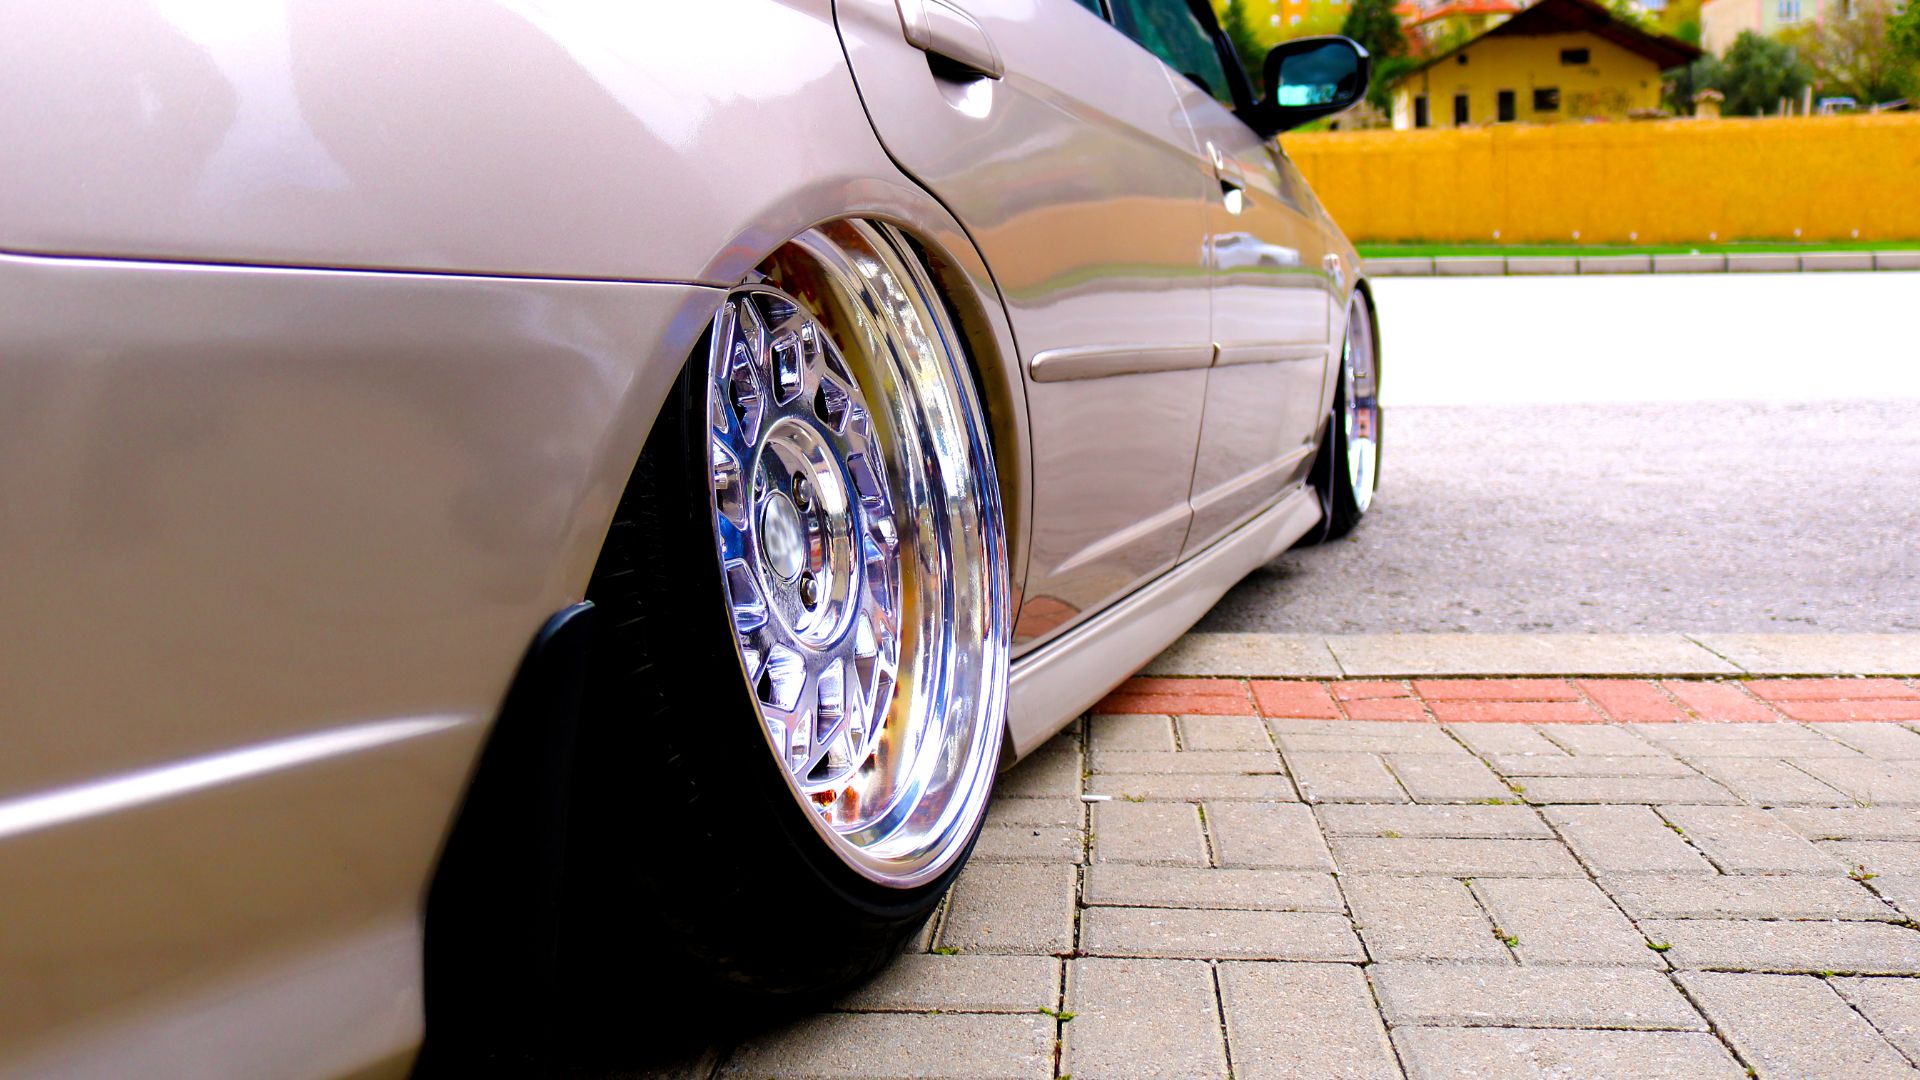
(819, 460)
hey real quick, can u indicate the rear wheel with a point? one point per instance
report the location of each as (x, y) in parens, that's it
(797, 708)
(1348, 470)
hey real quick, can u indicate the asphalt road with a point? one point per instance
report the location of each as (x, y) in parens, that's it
(1581, 454)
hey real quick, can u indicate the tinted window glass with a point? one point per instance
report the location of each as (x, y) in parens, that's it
(1170, 31)
(1093, 6)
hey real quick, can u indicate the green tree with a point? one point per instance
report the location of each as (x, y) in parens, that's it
(1682, 83)
(1903, 32)
(1757, 72)
(1246, 46)
(1375, 26)
(1853, 54)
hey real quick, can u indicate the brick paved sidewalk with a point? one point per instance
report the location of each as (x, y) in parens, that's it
(1369, 879)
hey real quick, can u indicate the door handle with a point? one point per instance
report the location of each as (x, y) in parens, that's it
(938, 28)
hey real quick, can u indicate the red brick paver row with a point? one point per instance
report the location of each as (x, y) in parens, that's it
(1527, 701)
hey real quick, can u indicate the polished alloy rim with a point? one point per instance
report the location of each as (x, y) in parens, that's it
(1360, 416)
(859, 535)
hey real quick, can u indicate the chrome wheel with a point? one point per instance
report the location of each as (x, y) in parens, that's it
(1360, 415)
(857, 525)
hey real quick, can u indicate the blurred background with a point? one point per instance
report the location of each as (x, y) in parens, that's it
(1647, 277)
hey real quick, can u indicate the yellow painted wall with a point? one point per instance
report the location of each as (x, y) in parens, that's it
(1667, 181)
(1611, 83)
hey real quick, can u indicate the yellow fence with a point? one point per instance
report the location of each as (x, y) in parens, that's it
(1655, 182)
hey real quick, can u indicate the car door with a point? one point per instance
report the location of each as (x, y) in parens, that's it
(1062, 148)
(1272, 287)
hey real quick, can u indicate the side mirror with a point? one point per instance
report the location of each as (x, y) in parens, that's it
(1308, 78)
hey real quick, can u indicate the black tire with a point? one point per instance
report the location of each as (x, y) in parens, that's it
(1341, 507)
(694, 866)
(713, 893)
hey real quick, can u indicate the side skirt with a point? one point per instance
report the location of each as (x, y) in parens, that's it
(1049, 688)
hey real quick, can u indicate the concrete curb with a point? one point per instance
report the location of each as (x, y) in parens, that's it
(1401, 656)
(1740, 263)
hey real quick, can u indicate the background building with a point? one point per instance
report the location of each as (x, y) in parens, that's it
(1722, 20)
(1556, 61)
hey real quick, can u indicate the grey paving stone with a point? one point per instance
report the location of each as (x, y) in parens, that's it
(1818, 654)
(1124, 885)
(1452, 858)
(1518, 265)
(1510, 739)
(1689, 264)
(1479, 995)
(1281, 836)
(962, 983)
(1469, 265)
(1173, 762)
(1362, 737)
(1793, 1026)
(1616, 264)
(1130, 732)
(1403, 918)
(1435, 1053)
(1746, 840)
(1769, 782)
(1051, 771)
(1439, 778)
(1891, 1005)
(1142, 1018)
(1393, 656)
(1750, 896)
(1813, 261)
(1864, 948)
(1217, 935)
(1890, 857)
(1563, 921)
(1193, 787)
(1464, 822)
(1783, 740)
(1600, 740)
(1303, 1022)
(1525, 765)
(1029, 843)
(1619, 839)
(1226, 733)
(1289, 656)
(1011, 907)
(1868, 782)
(1544, 790)
(1166, 833)
(1894, 260)
(1061, 813)
(843, 1045)
(1900, 890)
(1885, 742)
(1420, 266)
(1762, 262)
(1853, 822)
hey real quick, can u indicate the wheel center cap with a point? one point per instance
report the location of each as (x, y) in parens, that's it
(783, 538)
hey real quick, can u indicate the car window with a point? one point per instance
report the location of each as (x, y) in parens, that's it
(1170, 30)
(1093, 6)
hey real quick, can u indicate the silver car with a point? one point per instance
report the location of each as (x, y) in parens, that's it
(509, 505)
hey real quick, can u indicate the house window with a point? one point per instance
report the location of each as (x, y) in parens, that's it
(1573, 57)
(1506, 107)
(1789, 10)
(1546, 99)
(1459, 110)
(1420, 111)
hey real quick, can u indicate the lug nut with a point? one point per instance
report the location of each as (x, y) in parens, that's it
(809, 589)
(800, 497)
